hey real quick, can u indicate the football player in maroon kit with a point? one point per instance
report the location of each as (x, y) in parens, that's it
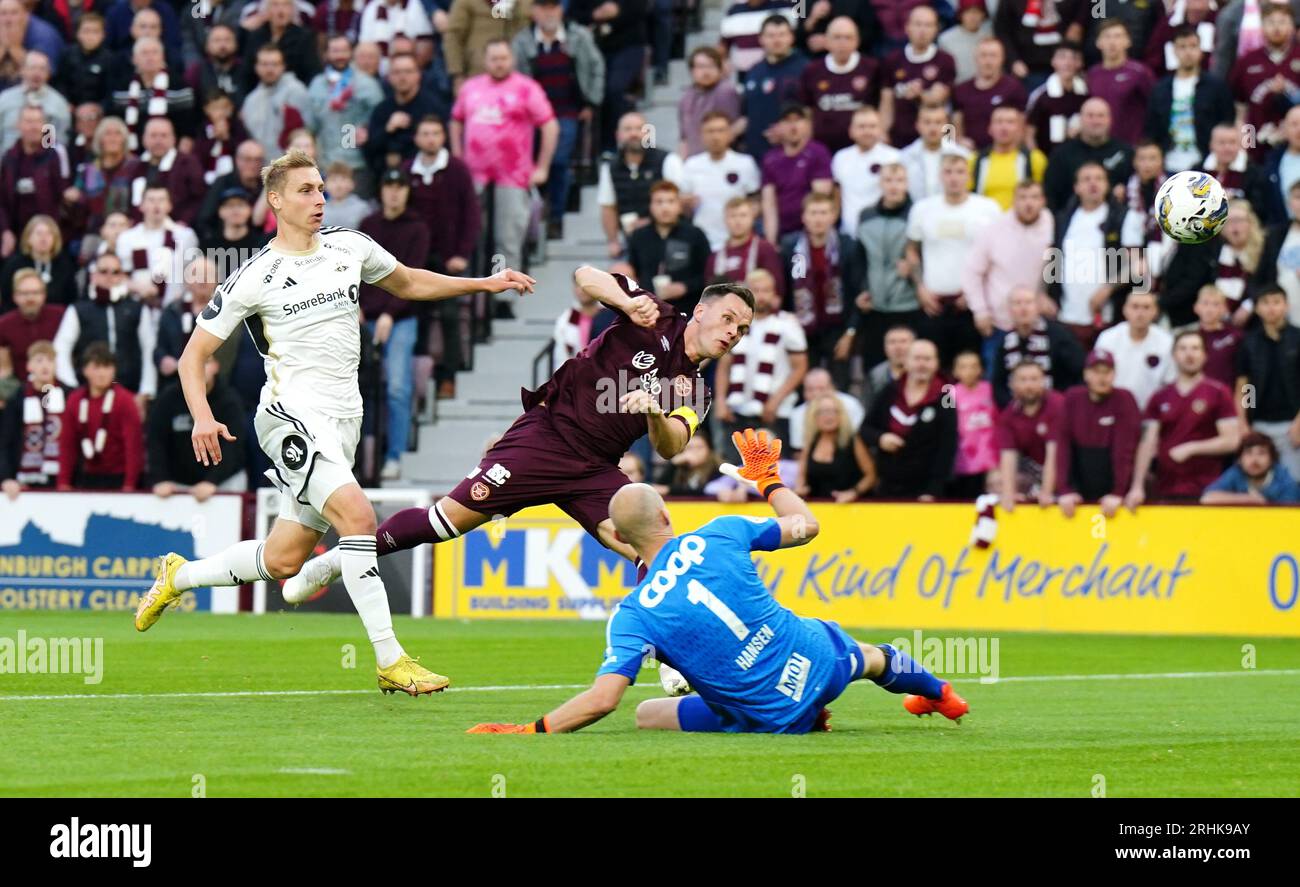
(639, 376)
(1190, 425)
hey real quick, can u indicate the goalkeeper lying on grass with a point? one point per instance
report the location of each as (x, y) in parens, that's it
(757, 667)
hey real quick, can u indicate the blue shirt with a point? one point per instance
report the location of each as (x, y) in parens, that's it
(1281, 487)
(703, 609)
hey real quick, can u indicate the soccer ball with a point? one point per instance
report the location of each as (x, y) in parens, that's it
(1191, 207)
(673, 681)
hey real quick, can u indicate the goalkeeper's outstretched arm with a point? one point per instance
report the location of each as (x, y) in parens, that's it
(798, 525)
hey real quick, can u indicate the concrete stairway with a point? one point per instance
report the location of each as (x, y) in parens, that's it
(488, 397)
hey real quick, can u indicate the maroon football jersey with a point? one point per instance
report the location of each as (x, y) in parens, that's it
(899, 71)
(1029, 435)
(1250, 80)
(1050, 116)
(976, 105)
(834, 97)
(1183, 418)
(1221, 353)
(582, 398)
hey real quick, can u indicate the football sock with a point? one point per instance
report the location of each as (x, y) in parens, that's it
(361, 578)
(903, 674)
(414, 526)
(240, 563)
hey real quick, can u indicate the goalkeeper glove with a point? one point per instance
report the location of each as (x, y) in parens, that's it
(760, 454)
(537, 726)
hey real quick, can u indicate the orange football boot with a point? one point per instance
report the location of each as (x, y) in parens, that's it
(950, 705)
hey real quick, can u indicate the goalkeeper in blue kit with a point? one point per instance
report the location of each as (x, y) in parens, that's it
(702, 609)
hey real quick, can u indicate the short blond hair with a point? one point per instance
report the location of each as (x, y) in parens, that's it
(273, 176)
(26, 274)
(760, 274)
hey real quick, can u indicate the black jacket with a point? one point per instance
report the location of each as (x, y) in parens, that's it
(1212, 104)
(924, 464)
(61, 290)
(1058, 181)
(171, 454)
(626, 29)
(300, 57)
(85, 78)
(683, 255)
(1250, 356)
(1065, 353)
(1193, 265)
(1265, 275)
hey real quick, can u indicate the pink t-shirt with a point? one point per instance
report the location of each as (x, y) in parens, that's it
(500, 118)
(976, 414)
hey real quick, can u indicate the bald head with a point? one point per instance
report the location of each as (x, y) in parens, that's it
(639, 514)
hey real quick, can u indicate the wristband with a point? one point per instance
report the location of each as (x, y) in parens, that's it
(769, 485)
(539, 726)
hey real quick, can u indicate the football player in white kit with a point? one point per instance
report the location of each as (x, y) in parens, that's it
(298, 299)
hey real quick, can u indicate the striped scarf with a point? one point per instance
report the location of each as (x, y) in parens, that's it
(156, 105)
(38, 463)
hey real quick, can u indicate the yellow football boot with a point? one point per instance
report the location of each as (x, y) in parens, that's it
(407, 675)
(162, 594)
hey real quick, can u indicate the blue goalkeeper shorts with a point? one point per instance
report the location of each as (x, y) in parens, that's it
(696, 715)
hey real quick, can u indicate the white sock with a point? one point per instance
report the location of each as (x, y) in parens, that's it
(240, 563)
(361, 578)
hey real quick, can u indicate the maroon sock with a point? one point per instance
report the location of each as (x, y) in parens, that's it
(406, 529)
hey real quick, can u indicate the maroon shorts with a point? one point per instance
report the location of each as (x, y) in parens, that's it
(532, 465)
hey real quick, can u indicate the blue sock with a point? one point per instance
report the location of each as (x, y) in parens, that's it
(903, 674)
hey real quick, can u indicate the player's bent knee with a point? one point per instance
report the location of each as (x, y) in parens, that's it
(658, 714)
(462, 518)
(281, 564)
(350, 512)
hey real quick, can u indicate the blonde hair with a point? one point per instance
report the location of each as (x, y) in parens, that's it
(760, 274)
(1254, 240)
(97, 140)
(48, 221)
(274, 175)
(23, 274)
(843, 435)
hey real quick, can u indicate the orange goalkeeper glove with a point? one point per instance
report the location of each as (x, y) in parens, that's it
(760, 454)
(537, 726)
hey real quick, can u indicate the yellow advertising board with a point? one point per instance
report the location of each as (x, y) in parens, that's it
(1165, 570)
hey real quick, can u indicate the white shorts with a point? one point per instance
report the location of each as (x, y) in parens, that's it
(311, 457)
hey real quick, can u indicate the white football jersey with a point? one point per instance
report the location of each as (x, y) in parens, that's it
(303, 314)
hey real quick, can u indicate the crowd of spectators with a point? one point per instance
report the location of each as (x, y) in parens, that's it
(944, 207)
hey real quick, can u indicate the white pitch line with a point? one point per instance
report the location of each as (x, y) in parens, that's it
(315, 771)
(1022, 679)
(1154, 676)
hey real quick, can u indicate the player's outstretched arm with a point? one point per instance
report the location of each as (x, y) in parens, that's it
(208, 432)
(420, 285)
(601, 286)
(582, 710)
(760, 454)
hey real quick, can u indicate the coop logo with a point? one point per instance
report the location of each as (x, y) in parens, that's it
(689, 553)
(91, 841)
(322, 299)
(794, 676)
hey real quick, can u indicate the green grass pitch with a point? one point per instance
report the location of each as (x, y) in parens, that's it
(1213, 734)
